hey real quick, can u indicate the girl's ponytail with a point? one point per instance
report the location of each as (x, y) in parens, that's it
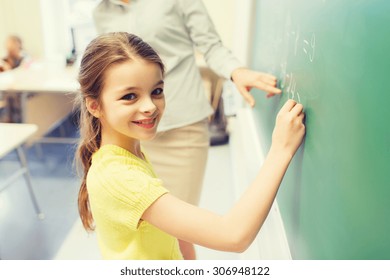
(90, 134)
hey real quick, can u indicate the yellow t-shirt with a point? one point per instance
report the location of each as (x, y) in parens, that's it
(121, 187)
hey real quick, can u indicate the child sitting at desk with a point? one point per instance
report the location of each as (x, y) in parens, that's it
(14, 58)
(15, 54)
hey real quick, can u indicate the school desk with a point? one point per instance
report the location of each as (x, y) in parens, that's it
(12, 137)
(52, 85)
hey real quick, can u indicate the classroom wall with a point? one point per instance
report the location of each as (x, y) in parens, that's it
(2, 30)
(234, 21)
(42, 25)
(23, 18)
(55, 27)
(223, 14)
(242, 31)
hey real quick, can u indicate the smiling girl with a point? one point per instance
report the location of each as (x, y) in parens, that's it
(121, 103)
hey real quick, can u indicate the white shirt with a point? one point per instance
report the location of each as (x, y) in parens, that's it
(173, 28)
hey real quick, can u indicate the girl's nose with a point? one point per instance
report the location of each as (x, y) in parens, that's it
(148, 107)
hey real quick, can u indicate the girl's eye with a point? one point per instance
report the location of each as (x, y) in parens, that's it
(129, 96)
(157, 92)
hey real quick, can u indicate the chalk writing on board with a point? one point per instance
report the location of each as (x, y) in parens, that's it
(299, 98)
(289, 84)
(283, 66)
(285, 80)
(291, 89)
(309, 47)
(296, 41)
(304, 46)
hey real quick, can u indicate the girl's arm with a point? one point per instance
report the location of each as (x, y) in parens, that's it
(236, 230)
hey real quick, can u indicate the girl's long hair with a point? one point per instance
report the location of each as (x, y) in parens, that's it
(101, 53)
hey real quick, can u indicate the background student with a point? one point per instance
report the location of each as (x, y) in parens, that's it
(14, 58)
(15, 54)
(174, 28)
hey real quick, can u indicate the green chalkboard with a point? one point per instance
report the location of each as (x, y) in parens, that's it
(334, 57)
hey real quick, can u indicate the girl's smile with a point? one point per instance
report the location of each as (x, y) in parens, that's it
(146, 123)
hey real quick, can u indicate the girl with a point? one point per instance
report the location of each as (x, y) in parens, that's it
(122, 101)
(175, 28)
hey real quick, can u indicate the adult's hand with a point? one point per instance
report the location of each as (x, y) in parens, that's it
(245, 79)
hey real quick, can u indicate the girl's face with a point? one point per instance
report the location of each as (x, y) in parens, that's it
(131, 103)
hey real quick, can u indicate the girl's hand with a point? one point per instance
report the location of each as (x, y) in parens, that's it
(245, 79)
(289, 128)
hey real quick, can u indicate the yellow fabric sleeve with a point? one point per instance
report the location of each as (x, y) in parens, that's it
(128, 193)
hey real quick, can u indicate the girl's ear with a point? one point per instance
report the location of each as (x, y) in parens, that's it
(93, 107)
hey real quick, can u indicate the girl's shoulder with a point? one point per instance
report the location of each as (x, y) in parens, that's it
(111, 160)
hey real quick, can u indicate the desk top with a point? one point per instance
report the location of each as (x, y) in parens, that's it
(40, 76)
(13, 135)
